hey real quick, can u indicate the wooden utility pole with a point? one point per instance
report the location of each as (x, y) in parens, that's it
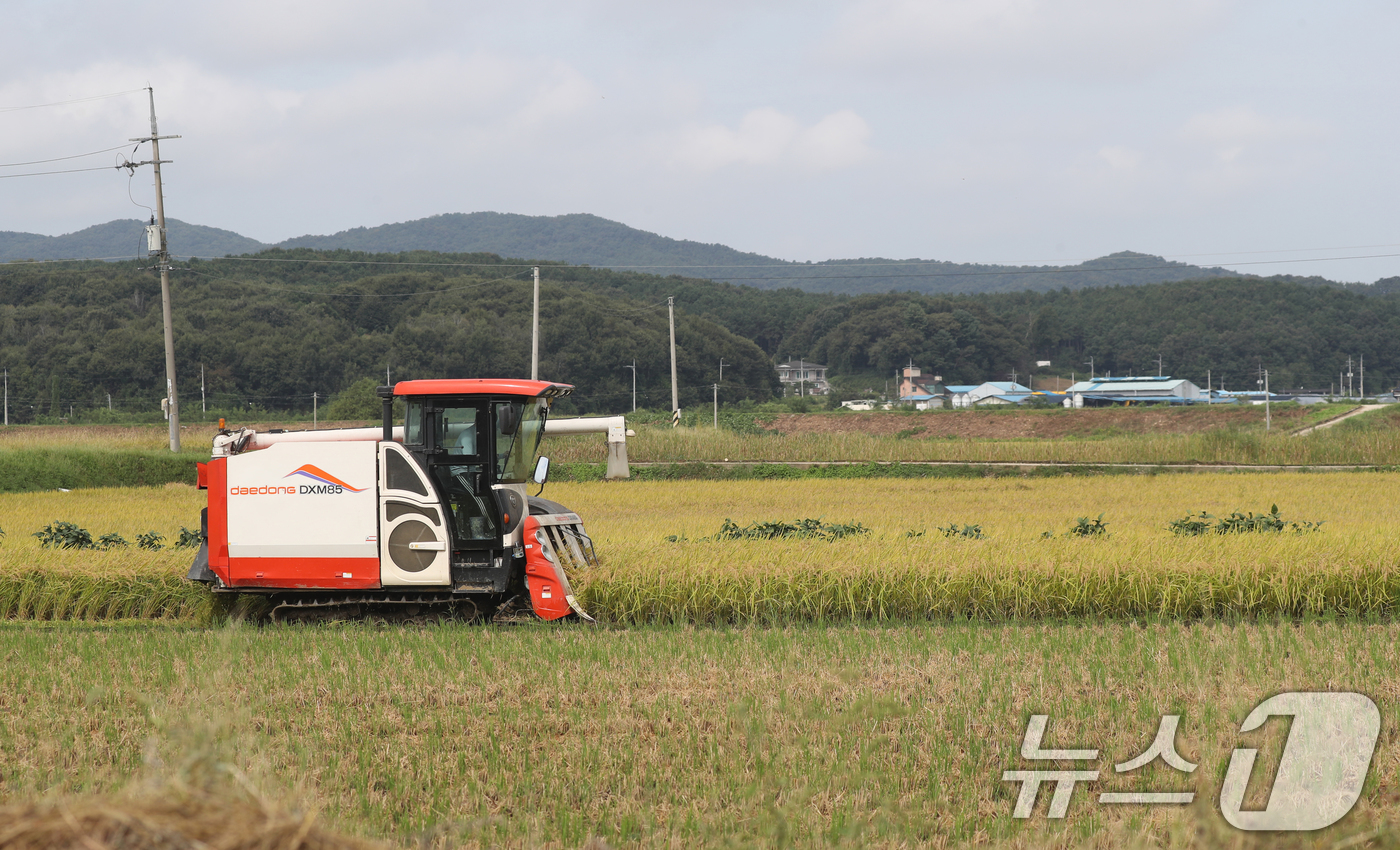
(157, 245)
(675, 387)
(535, 332)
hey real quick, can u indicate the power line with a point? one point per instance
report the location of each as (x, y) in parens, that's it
(271, 288)
(799, 272)
(67, 102)
(62, 158)
(66, 171)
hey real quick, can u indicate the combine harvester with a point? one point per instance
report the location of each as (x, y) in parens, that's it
(429, 517)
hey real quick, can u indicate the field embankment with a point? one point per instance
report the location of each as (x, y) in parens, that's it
(1198, 436)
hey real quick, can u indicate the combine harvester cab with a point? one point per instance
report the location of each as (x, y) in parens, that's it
(431, 515)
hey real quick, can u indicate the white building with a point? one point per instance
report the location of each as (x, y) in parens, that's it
(991, 392)
(1147, 389)
(802, 378)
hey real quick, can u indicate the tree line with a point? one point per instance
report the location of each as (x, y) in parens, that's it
(271, 329)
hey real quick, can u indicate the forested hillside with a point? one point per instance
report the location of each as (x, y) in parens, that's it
(271, 333)
(1228, 327)
(273, 328)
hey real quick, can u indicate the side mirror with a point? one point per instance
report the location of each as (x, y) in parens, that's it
(541, 471)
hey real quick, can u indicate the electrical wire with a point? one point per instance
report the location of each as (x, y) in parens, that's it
(66, 171)
(61, 158)
(271, 288)
(67, 102)
(800, 271)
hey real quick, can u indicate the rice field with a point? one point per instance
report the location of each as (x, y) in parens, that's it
(867, 691)
(569, 736)
(40, 583)
(1026, 567)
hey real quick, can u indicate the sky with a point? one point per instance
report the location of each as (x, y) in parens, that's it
(1253, 135)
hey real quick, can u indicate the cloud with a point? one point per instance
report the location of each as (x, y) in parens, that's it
(1120, 158)
(1231, 131)
(769, 137)
(998, 38)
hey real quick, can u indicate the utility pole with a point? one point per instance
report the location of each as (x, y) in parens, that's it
(1208, 390)
(161, 250)
(675, 388)
(801, 376)
(202, 407)
(633, 367)
(1159, 365)
(1363, 377)
(722, 364)
(1349, 384)
(535, 333)
(716, 387)
(1090, 364)
(314, 399)
(1263, 381)
(7, 395)
(109, 402)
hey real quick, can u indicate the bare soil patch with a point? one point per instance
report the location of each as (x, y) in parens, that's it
(1034, 424)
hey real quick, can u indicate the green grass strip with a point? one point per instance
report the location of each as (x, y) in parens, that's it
(31, 470)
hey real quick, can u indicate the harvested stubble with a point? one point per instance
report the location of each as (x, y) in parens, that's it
(803, 737)
(175, 819)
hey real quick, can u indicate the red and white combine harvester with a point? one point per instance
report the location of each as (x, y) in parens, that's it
(432, 515)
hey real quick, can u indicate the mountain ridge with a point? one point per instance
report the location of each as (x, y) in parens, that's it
(586, 239)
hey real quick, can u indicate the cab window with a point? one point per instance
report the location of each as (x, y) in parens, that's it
(413, 425)
(457, 431)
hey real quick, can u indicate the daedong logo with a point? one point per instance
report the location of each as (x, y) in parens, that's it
(1320, 775)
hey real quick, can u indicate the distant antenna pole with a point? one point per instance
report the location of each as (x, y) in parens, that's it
(675, 388)
(162, 252)
(535, 333)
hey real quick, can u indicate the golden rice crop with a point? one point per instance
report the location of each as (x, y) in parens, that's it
(39, 583)
(1351, 567)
